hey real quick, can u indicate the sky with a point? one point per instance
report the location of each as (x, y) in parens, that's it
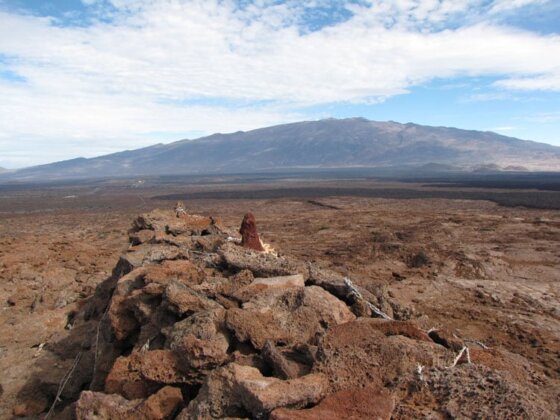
(82, 78)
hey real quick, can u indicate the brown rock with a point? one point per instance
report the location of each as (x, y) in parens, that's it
(145, 254)
(446, 339)
(183, 271)
(95, 405)
(288, 316)
(230, 285)
(162, 366)
(125, 379)
(249, 235)
(282, 366)
(141, 236)
(22, 297)
(30, 407)
(259, 285)
(234, 390)
(359, 353)
(161, 405)
(183, 299)
(200, 343)
(191, 224)
(406, 328)
(123, 321)
(261, 264)
(475, 391)
(352, 404)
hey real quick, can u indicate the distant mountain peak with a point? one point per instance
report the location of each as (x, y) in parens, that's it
(329, 143)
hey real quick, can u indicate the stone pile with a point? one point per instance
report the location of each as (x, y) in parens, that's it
(195, 324)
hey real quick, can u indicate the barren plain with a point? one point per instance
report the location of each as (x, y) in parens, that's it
(488, 273)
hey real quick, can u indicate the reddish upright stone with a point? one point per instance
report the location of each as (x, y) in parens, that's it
(249, 235)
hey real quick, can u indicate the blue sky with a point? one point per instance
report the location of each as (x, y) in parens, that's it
(89, 77)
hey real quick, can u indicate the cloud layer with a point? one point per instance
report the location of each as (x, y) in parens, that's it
(135, 68)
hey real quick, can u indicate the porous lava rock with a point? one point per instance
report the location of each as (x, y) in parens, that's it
(472, 391)
(235, 391)
(288, 315)
(249, 235)
(367, 403)
(191, 325)
(161, 405)
(371, 351)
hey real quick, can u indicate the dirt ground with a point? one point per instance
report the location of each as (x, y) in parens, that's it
(488, 273)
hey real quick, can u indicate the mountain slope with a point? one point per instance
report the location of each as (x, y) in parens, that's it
(331, 143)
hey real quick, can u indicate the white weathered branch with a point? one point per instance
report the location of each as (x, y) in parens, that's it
(353, 291)
(460, 355)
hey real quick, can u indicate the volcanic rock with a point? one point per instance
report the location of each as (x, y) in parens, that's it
(474, 391)
(259, 285)
(235, 391)
(446, 339)
(261, 264)
(288, 316)
(362, 353)
(161, 405)
(282, 365)
(352, 404)
(183, 300)
(249, 235)
(251, 334)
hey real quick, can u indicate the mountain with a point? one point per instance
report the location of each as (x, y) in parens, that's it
(331, 143)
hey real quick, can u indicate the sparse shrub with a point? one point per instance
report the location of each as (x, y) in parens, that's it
(420, 259)
(379, 237)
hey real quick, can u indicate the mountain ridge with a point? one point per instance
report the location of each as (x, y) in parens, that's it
(328, 143)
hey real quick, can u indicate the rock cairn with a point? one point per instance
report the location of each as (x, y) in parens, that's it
(193, 325)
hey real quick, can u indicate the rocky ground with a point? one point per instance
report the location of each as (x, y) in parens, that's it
(191, 324)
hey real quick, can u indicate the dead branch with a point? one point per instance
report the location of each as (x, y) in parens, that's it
(460, 355)
(355, 293)
(63, 383)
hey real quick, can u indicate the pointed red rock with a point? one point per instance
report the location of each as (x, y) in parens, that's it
(249, 235)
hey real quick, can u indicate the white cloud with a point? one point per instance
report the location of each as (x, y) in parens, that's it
(500, 6)
(545, 117)
(548, 82)
(145, 69)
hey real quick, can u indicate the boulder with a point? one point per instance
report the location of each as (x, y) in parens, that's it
(473, 391)
(144, 254)
(259, 285)
(287, 316)
(161, 405)
(446, 339)
(359, 354)
(125, 379)
(351, 404)
(162, 366)
(283, 364)
(261, 264)
(31, 407)
(183, 271)
(238, 391)
(200, 342)
(183, 300)
(141, 237)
